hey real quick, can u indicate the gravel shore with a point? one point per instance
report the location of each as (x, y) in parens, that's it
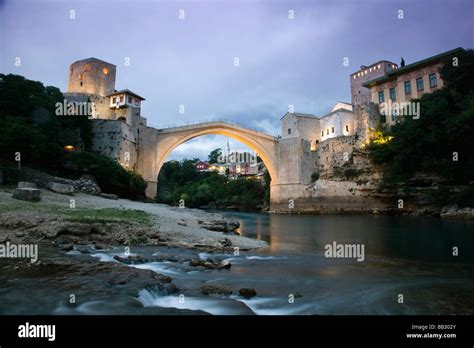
(170, 226)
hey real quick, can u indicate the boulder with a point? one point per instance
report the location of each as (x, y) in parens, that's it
(66, 247)
(25, 184)
(215, 289)
(61, 188)
(220, 225)
(88, 185)
(210, 264)
(109, 196)
(132, 259)
(225, 264)
(226, 242)
(27, 194)
(247, 293)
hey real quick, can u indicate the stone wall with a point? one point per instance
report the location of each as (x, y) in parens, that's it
(116, 140)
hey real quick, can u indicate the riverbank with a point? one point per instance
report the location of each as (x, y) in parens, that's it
(86, 219)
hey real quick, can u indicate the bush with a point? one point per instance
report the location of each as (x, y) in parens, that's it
(179, 180)
(314, 176)
(110, 175)
(445, 127)
(350, 173)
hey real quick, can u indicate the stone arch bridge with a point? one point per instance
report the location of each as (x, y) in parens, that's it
(155, 145)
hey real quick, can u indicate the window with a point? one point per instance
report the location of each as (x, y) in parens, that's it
(394, 114)
(381, 97)
(327, 131)
(332, 129)
(289, 130)
(80, 83)
(347, 128)
(419, 84)
(322, 133)
(393, 94)
(383, 118)
(433, 81)
(121, 98)
(317, 141)
(407, 87)
(105, 71)
(113, 100)
(130, 99)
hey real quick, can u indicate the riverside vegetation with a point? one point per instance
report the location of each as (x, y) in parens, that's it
(29, 128)
(438, 145)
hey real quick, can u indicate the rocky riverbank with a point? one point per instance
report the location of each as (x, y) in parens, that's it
(85, 219)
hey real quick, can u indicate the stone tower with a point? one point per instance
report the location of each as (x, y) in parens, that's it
(91, 76)
(360, 94)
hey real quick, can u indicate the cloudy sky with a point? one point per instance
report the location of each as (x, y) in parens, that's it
(190, 61)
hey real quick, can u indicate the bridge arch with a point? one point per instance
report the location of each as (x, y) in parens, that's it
(266, 146)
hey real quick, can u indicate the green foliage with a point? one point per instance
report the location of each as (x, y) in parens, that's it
(28, 125)
(445, 127)
(351, 173)
(34, 146)
(176, 181)
(214, 156)
(110, 175)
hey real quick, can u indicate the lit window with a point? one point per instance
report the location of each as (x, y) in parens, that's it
(378, 66)
(105, 71)
(407, 87)
(354, 77)
(370, 70)
(433, 81)
(419, 84)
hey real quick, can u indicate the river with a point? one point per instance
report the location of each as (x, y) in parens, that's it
(408, 268)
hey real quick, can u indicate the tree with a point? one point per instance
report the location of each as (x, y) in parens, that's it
(442, 134)
(214, 156)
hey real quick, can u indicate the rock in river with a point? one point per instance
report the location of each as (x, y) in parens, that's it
(247, 293)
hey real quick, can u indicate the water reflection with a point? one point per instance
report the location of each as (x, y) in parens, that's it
(415, 238)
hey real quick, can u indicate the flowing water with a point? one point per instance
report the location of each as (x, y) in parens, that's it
(408, 268)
